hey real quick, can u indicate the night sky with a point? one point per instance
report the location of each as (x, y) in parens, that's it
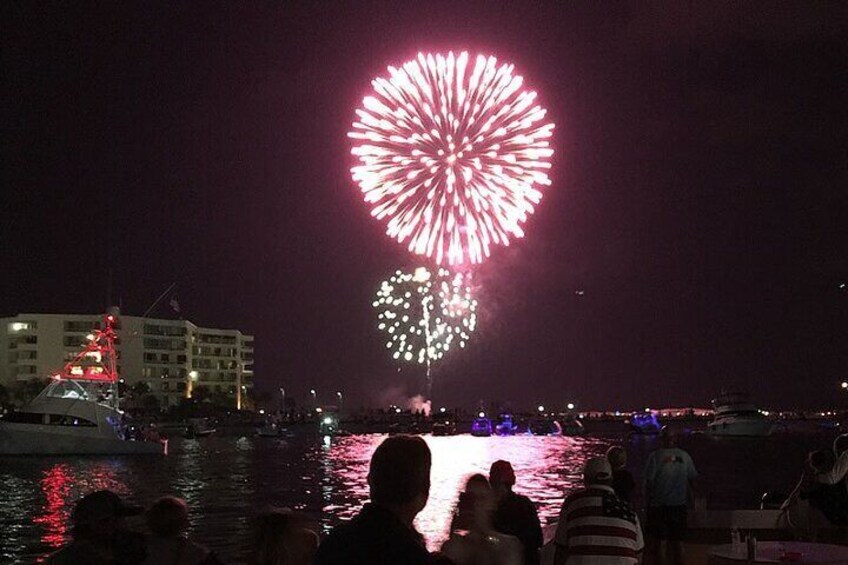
(699, 197)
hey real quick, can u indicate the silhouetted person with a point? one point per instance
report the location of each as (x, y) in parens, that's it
(281, 537)
(515, 514)
(595, 525)
(669, 473)
(838, 472)
(99, 534)
(168, 543)
(382, 532)
(829, 499)
(473, 539)
(622, 479)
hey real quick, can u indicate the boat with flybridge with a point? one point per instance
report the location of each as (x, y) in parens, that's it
(78, 412)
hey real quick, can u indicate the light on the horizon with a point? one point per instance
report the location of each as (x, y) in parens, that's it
(570, 406)
(540, 408)
(844, 385)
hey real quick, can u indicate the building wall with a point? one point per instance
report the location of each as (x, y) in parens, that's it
(173, 357)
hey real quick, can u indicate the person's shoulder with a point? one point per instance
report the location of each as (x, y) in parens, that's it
(522, 500)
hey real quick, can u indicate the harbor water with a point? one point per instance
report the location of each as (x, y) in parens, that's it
(228, 479)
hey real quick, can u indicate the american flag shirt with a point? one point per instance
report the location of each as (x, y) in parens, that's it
(598, 528)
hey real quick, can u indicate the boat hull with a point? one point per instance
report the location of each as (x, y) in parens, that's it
(34, 439)
(741, 428)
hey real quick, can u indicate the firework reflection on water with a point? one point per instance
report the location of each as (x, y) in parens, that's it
(545, 467)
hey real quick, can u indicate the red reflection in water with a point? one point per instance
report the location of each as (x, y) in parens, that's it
(546, 468)
(62, 488)
(56, 485)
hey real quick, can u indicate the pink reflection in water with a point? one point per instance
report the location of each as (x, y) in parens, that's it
(546, 468)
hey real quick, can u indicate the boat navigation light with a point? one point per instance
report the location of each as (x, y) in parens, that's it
(540, 408)
(442, 409)
(319, 410)
(844, 385)
(328, 420)
(570, 406)
(482, 414)
(397, 410)
(262, 411)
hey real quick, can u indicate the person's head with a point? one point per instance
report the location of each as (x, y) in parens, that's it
(821, 460)
(617, 457)
(281, 537)
(597, 471)
(99, 516)
(399, 475)
(840, 444)
(476, 504)
(168, 517)
(501, 476)
(667, 437)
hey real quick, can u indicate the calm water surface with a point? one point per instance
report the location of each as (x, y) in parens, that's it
(226, 480)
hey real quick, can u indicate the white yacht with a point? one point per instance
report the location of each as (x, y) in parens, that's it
(78, 413)
(735, 415)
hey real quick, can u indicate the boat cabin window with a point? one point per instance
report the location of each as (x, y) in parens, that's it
(48, 419)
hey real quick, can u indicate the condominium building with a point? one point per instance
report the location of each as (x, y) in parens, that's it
(173, 357)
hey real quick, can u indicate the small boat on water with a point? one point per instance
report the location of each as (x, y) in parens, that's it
(644, 422)
(78, 412)
(444, 427)
(735, 415)
(506, 426)
(572, 427)
(481, 427)
(199, 427)
(545, 427)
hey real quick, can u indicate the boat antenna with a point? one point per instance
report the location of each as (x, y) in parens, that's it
(158, 300)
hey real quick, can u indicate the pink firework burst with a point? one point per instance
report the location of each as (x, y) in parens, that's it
(451, 155)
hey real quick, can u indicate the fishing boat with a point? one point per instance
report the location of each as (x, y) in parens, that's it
(735, 415)
(78, 412)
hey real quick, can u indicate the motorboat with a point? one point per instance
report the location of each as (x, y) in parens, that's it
(481, 427)
(735, 415)
(199, 427)
(572, 427)
(328, 425)
(506, 426)
(545, 427)
(270, 429)
(78, 411)
(444, 427)
(644, 422)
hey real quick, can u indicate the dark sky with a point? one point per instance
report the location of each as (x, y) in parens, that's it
(700, 194)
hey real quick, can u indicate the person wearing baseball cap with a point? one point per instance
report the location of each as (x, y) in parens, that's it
(99, 533)
(515, 514)
(595, 525)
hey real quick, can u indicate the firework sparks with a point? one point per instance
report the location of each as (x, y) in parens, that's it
(425, 314)
(451, 155)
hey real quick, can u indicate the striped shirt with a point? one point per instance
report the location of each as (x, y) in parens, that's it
(596, 527)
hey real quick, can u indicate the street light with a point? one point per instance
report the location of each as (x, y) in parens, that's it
(341, 399)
